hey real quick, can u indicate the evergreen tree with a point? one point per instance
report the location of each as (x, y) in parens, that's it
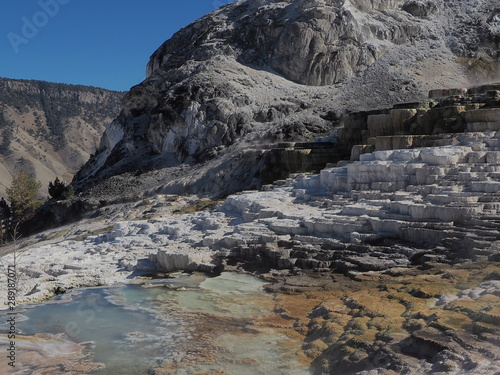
(59, 190)
(22, 195)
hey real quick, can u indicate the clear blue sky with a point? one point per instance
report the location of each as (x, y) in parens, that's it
(102, 43)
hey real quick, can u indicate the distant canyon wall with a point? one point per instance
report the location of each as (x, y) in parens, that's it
(50, 130)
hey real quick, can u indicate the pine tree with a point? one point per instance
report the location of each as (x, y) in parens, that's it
(22, 195)
(56, 188)
(59, 190)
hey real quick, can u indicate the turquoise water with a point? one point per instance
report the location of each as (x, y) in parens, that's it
(187, 325)
(126, 340)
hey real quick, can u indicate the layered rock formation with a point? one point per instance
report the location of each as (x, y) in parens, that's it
(262, 71)
(50, 130)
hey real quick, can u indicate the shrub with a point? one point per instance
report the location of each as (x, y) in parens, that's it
(59, 190)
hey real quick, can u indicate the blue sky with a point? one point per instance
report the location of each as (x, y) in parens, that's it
(102, 43)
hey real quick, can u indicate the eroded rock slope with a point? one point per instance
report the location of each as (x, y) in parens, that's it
(262, 71)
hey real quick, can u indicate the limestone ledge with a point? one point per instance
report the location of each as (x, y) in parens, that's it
(436, 122)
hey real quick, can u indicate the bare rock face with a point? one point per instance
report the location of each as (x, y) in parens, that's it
(309, 42)
(420, 8)
(255, 72)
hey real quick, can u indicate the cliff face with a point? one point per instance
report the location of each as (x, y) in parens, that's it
(261, 71)
(50, 130)
(327, 42)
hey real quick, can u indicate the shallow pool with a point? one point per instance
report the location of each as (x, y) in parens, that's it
(187, 325)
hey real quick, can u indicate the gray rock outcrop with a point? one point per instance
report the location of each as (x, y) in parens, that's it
(262, 71)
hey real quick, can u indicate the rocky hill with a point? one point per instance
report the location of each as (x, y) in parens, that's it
(50, 130)
(255, 72)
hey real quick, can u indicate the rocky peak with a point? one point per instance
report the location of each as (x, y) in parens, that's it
(255, 72)
(309, 42)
